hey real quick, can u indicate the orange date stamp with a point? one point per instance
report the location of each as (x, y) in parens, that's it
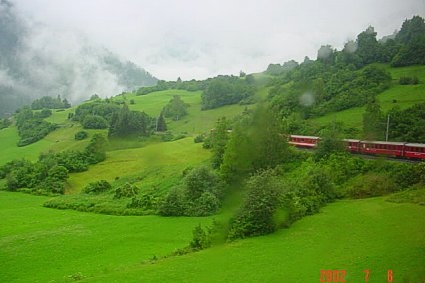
(339, 275)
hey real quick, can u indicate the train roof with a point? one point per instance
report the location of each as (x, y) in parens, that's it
(351, 140)
(306, 137)
(415, 144)
(383, 142)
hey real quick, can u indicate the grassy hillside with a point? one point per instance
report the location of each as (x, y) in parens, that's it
(159, 164)
(57, 246)
(397, 95)
(349, 235)
(45, 245)
(197, 121)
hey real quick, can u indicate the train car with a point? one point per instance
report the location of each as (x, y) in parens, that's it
(382, 148)
(303, 141)
(352, 145)
(392, 149)
(414, 151)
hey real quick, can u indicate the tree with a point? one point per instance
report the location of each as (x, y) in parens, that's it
(218, 140)
(373, 121)
(161, 126)
(367, 46)
(256, 216)
(175, 108)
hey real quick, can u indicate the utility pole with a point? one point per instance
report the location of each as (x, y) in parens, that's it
(388, 127)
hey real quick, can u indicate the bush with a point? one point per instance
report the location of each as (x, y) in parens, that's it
(94, 122)
(97, 187)
(172, 204)
(126, 191)
(199, 138)
(408, 80)
(81, 135)
(256, 216)
(370, 185)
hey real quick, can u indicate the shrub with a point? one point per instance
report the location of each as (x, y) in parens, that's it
(94, 122)
(370, 185)
(256, 216)
(199, 138)
(172, 204)
(81, 135)
(126, 191)
(408, 80)
(97, 187)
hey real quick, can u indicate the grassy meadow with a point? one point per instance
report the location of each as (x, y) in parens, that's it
(63, 246)
(39, 244)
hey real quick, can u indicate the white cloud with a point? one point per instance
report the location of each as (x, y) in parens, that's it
(198, 39)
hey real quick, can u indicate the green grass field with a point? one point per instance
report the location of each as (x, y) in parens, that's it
(159, 163)
(196, 122)
(46, 245)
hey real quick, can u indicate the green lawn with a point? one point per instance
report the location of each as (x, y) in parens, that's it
(353, 236)
(39, 244)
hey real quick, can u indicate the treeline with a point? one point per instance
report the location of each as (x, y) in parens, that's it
(119, 120)
(339, 80)
(50, 103)
(49, 174)
(31, 126)
(216, 92)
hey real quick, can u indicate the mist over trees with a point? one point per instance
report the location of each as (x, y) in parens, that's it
(36, 61)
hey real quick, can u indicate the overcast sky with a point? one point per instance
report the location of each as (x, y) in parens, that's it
(200, 39)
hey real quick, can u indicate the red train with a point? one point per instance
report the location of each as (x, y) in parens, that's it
(391, 149)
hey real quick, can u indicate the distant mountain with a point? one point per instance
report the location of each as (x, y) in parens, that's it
(36, 61)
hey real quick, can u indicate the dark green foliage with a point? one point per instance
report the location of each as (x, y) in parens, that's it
(161, 126)
(225, 90)
(50, 103)
(256, 216)
(411, 38)
(81, 135)
(145, 201)
(330, 143)
(373, 122)
(97, 187)
(4, 123)
(43, 177)
(217, 141)
(30, 128)
(94, 122)
(43, 113)
(125, 123)
(126, 191)
(367, 46)
(407, 125)
(96, 150)
(175, 109)
(408, 80)
(191, 85)
(173, 203)
(371, 185)
(200, 195)
(34, 130)
(256, 142)
(201, 238)
(199, 138)
(98, 107)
